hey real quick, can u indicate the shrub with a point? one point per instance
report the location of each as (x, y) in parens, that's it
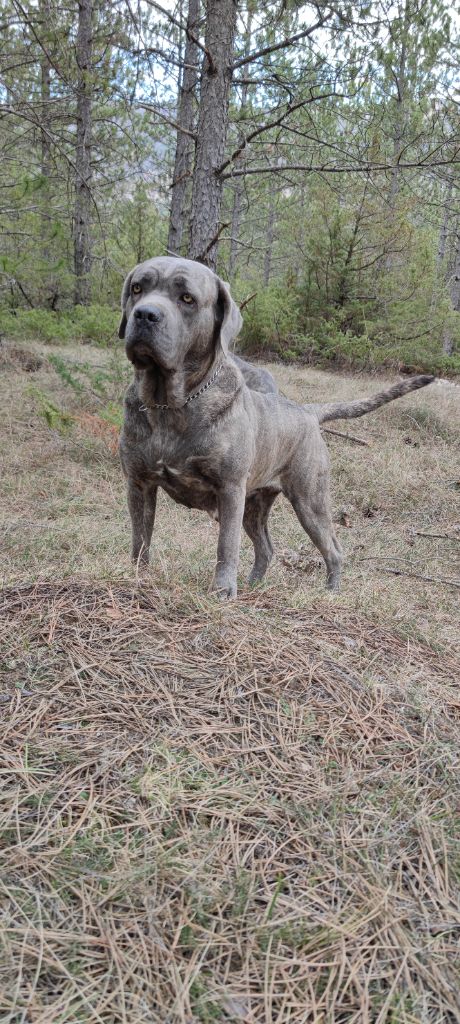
(275, 324)
(271, 320)
(96, 324)
(39, 324)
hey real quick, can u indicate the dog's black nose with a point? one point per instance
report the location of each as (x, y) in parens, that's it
(148, 314)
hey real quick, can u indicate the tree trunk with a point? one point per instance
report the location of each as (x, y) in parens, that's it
(82, 211)
(444, 229)
(47, 290)
(270, 237)
(454, 289)
(212, 131)
(343, 283)
(238, 189)
(400, 79)
(444, 232)
(183, 162)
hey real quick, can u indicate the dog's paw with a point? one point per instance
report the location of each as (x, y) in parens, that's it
(224, 589)
(255, 578)
(226, 595)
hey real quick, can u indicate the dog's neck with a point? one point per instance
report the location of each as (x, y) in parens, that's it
(172, 388)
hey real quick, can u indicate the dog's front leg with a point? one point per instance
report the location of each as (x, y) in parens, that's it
(142, 505)
(231, 502)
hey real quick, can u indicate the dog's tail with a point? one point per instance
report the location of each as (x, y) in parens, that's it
(350, 410)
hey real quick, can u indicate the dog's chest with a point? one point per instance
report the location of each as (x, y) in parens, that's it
(186, 476)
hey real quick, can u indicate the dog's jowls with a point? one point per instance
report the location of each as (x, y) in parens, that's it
(212, 430)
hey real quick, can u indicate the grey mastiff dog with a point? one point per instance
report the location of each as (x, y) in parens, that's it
(212, 430)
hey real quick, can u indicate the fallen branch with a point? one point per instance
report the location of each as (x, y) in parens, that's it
(348, 437)
(418, 576)
(439, 536)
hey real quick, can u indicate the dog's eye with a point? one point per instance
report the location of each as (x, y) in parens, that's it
(186, 297)
(136, 289)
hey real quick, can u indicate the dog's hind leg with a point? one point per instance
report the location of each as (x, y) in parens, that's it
(318, 524)
(255, 522)
(307, 488)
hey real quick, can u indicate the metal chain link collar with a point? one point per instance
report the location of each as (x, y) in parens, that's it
(191, 398)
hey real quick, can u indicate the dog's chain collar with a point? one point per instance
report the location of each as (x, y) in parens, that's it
(191, 398)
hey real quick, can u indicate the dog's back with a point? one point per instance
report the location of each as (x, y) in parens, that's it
(255, 377)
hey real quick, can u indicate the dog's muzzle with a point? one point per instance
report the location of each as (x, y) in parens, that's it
(141, 347)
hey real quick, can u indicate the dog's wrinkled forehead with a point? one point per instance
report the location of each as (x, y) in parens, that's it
(145, 275)
(163, 273)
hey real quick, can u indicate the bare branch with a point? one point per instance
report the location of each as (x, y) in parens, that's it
(183, 28)
(155, 51)
(202, 256)
(324, 169)
(168, 120)
(39, 41)
(289, 41)
(246, 301)
(273, 124)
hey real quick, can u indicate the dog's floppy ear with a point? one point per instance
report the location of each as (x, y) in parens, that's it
(124, 300)
(227, 315)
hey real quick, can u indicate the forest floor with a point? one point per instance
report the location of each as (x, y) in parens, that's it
(245, 812)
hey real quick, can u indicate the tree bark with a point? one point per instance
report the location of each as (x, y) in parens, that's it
(47, 290)
(454, 290)
(239, 182)
(400, 79)
(183, 162)
(212, 131)
(445, 225)
(82, 210)
(270, 237)
(343, 284)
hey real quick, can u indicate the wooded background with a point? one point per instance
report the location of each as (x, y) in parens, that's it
(308, 152)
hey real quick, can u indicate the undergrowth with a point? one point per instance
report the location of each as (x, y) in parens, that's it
(97, 324)
(279, 324)
(275, 325)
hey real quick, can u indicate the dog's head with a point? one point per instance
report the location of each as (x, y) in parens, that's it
(175, 313)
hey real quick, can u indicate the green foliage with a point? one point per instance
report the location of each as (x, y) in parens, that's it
(271, 320)
(56, 419)
(95, 382)
(93, 323)
(40, 324)
(97, 324)
(328, 342)
(66, 374)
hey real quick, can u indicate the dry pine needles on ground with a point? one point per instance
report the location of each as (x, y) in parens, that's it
(224, 813)
(245, 813)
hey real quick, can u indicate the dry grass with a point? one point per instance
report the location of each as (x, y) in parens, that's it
(244, 813)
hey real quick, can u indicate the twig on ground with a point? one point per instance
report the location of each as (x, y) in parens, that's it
(418, 576)
(438, 536)
(348, 437)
